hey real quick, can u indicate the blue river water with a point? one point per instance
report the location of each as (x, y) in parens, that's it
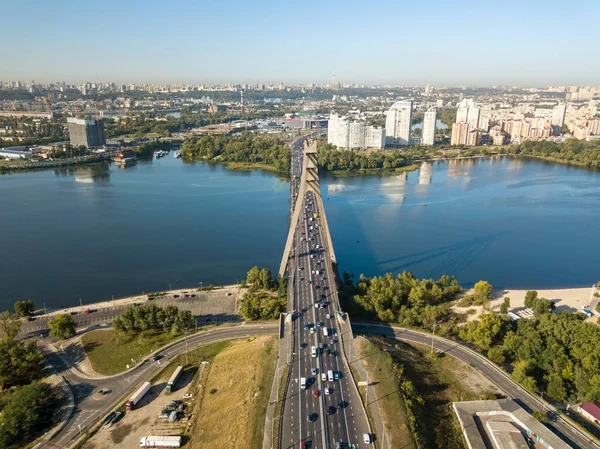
(94, 232)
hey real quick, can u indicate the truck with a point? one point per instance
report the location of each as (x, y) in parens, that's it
(139, 394)
(303, 383)
(173, 379)
(160, 441)
(587, 312)
(325, 332)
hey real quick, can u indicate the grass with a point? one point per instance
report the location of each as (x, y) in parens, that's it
(378, 364)
(249, 166)
(110, 354)
(234, 415)
(439, 382)
(277, 414)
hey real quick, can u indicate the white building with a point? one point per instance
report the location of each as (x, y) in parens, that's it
(344, 132)
(398, 122)
(558, 115)
(429, 126)
(468, 112)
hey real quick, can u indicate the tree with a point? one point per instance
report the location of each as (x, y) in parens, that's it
(20, 362)
(27, 414)
(496, 354)
(62, 326)
(10, 326)
(24, 308)
(505, 305)
(482, 291)
(530, 298)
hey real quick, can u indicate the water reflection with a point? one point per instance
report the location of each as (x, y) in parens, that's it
(425, 173)
(92, 175)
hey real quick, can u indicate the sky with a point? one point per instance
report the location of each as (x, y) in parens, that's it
(439, 42)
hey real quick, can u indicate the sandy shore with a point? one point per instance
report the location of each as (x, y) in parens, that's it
(569, 299)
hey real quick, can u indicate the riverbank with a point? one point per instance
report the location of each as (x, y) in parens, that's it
(234, 289)
(24, 166)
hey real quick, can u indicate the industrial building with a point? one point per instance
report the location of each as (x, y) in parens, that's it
(502, 424)
(89, 133)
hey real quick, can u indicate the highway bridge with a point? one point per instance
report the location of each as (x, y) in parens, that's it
(322, 406)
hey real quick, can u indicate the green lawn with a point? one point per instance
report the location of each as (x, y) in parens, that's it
(110, 354)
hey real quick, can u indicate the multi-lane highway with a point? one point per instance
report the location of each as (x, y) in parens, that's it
(322, 406)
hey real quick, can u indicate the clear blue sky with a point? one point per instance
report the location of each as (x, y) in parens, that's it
(526, 42)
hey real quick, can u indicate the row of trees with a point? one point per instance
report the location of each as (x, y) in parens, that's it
(245, 147)
(151, 318)
(330, 159)
(574, 151)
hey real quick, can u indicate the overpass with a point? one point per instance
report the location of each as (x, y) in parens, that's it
(317, 411)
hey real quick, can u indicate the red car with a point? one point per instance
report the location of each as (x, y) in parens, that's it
(316, 393)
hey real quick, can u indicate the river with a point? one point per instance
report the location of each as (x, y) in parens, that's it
(94, 232)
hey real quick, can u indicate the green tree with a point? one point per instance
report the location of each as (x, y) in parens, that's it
(505, 305)
(24, 308)
(20, 362)
(530, 298)
(482, 291)
(27, 414)
(496, 354)
(10, 325)
(62, 326)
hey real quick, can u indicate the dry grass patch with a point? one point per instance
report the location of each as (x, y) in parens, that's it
(232, 413)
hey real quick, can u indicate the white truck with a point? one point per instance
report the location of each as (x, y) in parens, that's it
(325, 332)
(159, 441)
(139, 394)
(303, 383)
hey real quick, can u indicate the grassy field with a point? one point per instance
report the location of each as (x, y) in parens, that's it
(378, 364)
(110, 354)
(237, 389)
(439, 382)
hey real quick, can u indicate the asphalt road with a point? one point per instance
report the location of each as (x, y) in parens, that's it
(346, 422)
(89, 410)
(568, 432)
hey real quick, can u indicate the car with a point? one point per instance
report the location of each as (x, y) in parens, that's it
(164, 415)
(327, 391)
(175, 296)
(187, 295)
(314, 371)
(187, 395)
(193, 295)
(341, 404)
(316, 393)
(312, 417)
(321, 345)
(319, 323)
(329, 410)
(328, 316)
(367, 438)
(312, 330)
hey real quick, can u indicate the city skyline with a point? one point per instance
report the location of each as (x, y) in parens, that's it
(188, 42)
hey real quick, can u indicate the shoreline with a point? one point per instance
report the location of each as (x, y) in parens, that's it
(39, 313)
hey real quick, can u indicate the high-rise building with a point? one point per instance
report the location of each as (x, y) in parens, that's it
(460, 133)
(352, 134)
(398, 123)
(474, 137)
(429, 126)
(558, 117)
(473, 117)
(581, 132)
(89, 133)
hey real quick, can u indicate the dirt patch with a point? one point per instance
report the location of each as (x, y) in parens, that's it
(235, 396)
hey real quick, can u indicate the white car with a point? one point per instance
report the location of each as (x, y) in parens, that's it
(188, 396)
(327, 390)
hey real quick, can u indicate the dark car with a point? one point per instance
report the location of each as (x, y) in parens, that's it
(312, 417)
(330, 410)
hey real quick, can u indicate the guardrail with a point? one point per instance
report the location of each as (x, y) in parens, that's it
(290, 370)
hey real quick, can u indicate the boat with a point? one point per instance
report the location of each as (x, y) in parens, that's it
(158, 154)
(177, 154)
(125, 157)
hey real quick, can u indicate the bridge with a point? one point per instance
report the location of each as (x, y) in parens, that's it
(322, 407)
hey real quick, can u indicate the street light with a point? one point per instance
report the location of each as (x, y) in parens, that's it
(433, 334)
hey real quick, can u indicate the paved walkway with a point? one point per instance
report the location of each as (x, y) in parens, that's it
(274, 398)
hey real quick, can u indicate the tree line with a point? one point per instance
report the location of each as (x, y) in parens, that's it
(245, 147)
(331, 159)
(573, 151)
(150, 318)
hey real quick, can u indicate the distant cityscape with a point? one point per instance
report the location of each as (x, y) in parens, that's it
(37, 120)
